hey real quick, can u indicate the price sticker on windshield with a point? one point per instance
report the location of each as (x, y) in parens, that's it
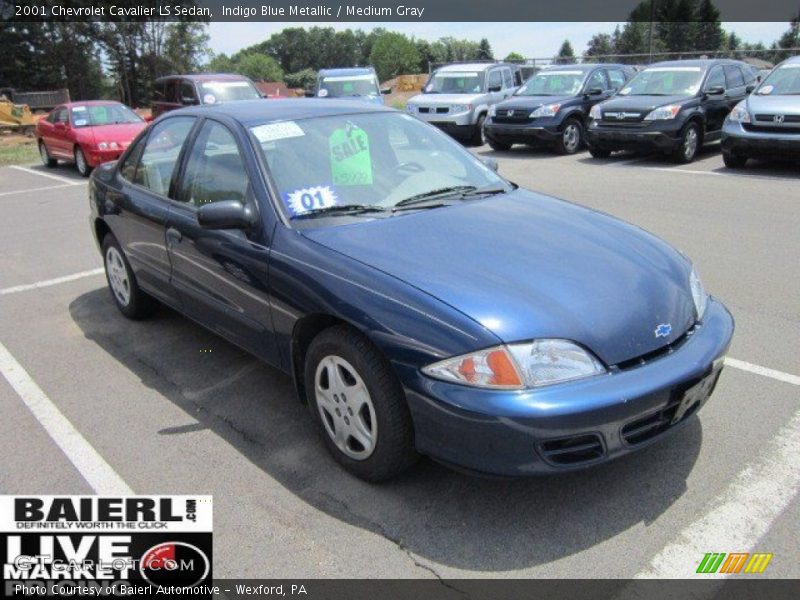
(351, 162)
(309, 199)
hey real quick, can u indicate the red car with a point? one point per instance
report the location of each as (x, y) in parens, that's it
(87, 133)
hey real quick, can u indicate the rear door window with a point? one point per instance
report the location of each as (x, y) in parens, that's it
(161, 153)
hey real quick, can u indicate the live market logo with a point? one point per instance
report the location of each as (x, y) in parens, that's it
(122, 546)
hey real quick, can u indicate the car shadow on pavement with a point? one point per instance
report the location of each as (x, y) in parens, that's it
(63, 170)
(446, 517)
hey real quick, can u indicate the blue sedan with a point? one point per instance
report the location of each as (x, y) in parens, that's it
(421, 303)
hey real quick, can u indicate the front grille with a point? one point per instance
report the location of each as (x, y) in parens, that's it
(512, 115)
(424, 109)
(442, 109)
(573, 450)
(649, 357)
(770, 129)
(786, 118)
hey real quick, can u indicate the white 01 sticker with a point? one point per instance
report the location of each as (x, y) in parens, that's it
(310, 198)
(322, 93)
(78, 108)
(277, 131)
(209, 99)
(766, 90)
(80, 122)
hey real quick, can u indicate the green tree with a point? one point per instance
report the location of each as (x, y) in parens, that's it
(566, 55)
(186, 46)
(393, 54)
(514, 57)
(601, 45)
(709, 34)
(259, 67)
(485, 50)
(220, 63)
(789, 39)
(302, 79)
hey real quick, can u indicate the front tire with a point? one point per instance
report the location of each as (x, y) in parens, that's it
(571, 138)
(734, 161)
(128, 296)
(80, 162)
(45, 156)
(691, 140)
(479, 136)
(359, 405)
(599, 152)
(498, 146)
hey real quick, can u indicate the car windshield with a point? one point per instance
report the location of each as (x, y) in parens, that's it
(348, 85)
(369, 163)
(227, 91)
(103, 114)
(552, 83)
(783, 81)
(665, 81)
(455, 82)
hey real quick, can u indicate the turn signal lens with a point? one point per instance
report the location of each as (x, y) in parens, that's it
(491, 368)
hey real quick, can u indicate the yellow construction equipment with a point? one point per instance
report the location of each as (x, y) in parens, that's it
(16, 117)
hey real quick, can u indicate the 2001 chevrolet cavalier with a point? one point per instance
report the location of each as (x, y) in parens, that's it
(422, 303)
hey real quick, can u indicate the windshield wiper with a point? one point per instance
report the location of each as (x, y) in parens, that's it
(344, 209)
(433, 194)
(489, 191)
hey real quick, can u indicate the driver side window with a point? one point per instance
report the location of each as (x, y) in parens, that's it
(161, 154)
(597, 81)
(495, 79)
(716, 78)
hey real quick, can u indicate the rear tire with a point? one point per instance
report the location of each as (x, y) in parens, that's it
(359, 405)
(128, 296)
(45, 156)
(599, 152)
(80, 162)
(691, 141)
(734, 161)
(571, 139)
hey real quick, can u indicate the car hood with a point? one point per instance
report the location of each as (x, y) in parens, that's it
(440, 99)
(532, 102)
(640, 104)
(121, 133)
(783, 105)
(529, 266)
(372, 99)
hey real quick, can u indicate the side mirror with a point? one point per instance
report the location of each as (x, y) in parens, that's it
(491, 163)
(594, 92)
(385, 91)
(495, 88)
(715, 90)
(749, 89)
(226, 214)
(309, 93)
(60, 125)
(149, 118)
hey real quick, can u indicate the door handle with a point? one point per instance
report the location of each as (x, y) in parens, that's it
(173, 236)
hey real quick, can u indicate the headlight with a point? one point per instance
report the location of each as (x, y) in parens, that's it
(740, 114)
(698, 294)
(663, 113)
(492, 110)
(107, 146)
(102, 146)
(548, 110)
(410, 108)
(459, 108)
(517, 366)
(596, 112)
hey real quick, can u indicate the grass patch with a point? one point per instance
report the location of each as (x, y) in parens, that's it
(18, 150)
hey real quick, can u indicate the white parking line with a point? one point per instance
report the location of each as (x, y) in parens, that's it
(759, 370)
(41, 189)
(48, 175)
(93, 468)
(738, 518)
(49, 282)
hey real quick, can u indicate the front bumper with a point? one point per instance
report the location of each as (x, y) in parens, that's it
(98, 157)
(741, 142)
(458, 125)
(663, 136)
(542, 131)
(569, 425)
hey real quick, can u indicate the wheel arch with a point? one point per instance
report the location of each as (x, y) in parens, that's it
(304, 332)
(101, 230)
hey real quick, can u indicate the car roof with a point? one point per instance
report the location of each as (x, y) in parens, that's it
(585, 67)
(702, 63)
(206, 77)
(347, 71)
(471, 66)
(89, 103)
(256, 112)
(792, 59)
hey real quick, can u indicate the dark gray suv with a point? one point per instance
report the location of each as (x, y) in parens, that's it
(767, 123)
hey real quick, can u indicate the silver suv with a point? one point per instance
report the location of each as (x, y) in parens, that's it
(457, 97)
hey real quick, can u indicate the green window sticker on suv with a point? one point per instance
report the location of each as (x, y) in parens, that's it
(351, 162)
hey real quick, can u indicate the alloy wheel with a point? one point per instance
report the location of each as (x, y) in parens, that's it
(690, 143)
(572, 137)
(118, 276)
(346, 408)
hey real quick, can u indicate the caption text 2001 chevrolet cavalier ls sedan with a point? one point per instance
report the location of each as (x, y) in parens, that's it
(422, 303)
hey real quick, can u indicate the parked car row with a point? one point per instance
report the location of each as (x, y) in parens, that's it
(673, 107)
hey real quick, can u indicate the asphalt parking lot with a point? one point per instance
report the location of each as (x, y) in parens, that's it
(170, 408)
